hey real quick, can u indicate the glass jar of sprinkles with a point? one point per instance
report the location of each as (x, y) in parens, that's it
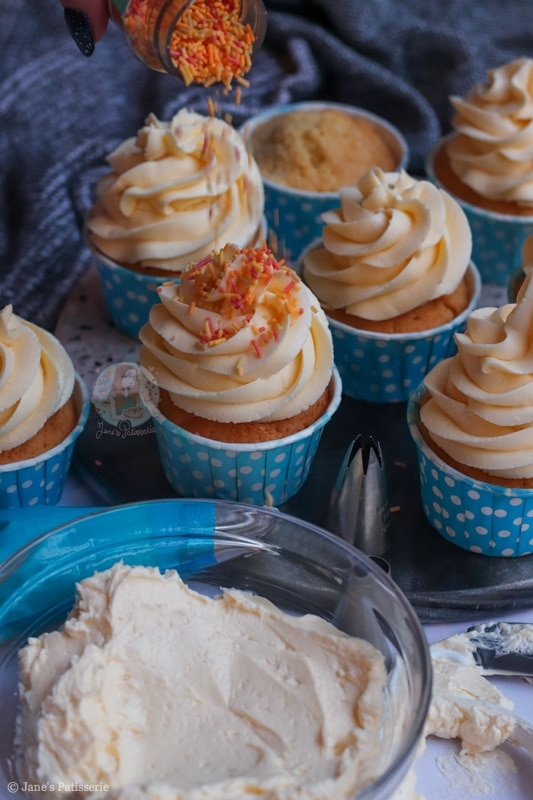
(205, 42)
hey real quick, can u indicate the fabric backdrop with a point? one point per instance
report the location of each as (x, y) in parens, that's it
(61, 113)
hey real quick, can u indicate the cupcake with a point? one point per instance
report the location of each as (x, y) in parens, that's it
(241, 358)
(393, 274)
(43, 408)
(306, 152)
(487, 164)
(175, 192)
(472, 422)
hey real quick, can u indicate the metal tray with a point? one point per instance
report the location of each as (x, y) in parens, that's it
(443, 582)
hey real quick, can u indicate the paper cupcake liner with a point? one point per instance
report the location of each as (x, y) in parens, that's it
(476, 516)
(497, 242)
(263, 473)
(295, 216)
(41, 480)
(387, 367)
(128, 295)
(497, 239)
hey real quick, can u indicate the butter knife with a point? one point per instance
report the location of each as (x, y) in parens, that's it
(497, 648)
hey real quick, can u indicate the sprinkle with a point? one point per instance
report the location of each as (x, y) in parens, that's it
(290, 286)
(211, 107)
(229, 282)
(211, 45)
(394, 509)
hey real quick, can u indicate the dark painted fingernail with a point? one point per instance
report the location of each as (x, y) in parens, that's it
(79, 28)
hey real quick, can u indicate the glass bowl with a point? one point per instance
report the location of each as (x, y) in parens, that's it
(297, 566)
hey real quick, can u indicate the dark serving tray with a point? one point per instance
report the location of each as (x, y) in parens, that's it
(442, 581)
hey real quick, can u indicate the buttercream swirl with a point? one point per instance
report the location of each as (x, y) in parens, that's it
(493, 151)
(177, 191)
(394, 244)
(480, 406)
(239, 339)
(36, 378)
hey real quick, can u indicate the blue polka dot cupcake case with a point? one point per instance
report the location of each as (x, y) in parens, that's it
(268, 473)
(128, 295)
(386, 368)
(497, 242)
(476, 516)
(41, 481)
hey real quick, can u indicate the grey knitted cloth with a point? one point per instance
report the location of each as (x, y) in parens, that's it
(61, 114)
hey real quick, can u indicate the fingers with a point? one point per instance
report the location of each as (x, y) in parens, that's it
(87, 21)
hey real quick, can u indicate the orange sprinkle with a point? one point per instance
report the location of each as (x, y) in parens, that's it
(211, 106)
(211, 45)
(237, 282)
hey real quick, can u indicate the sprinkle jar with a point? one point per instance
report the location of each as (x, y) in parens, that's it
(195, 40)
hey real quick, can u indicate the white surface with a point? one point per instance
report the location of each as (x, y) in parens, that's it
(506, 774)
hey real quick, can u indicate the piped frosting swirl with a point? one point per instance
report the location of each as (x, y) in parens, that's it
(36, 378)
(480, 406)
(239, 339)
(493, 151)
(394, 244)
(175, 192)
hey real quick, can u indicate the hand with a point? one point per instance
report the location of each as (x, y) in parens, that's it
(86, 21)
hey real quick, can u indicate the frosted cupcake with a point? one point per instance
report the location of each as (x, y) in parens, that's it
(394, 276)
(487, 164)
(472, 422)
(242, 359)
(43, 408)
(175, 192)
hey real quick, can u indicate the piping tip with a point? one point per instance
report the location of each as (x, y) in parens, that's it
(359, 507)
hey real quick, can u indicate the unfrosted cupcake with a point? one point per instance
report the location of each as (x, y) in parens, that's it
(394, 276)
(306, 152)
(175, 192)
(242, 359)
(472, 422)
(487, 164)
(43, 408)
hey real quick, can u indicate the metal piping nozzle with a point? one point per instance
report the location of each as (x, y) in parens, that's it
(359, 507)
